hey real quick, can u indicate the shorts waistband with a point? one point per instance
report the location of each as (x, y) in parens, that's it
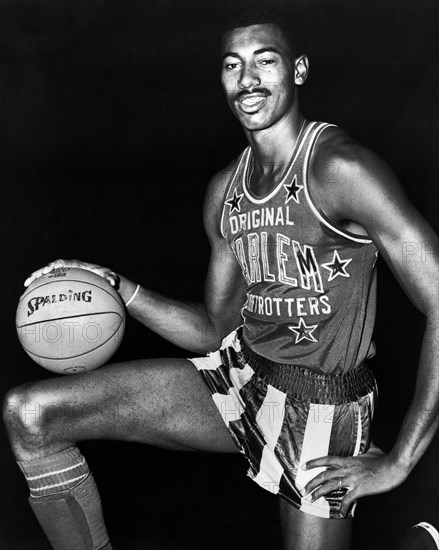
(307, 385)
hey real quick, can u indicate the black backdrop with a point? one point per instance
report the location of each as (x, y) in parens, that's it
(112, 121)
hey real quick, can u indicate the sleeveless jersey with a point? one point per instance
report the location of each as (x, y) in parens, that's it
(311, 287)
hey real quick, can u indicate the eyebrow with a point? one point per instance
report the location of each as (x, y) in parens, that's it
(256, 52)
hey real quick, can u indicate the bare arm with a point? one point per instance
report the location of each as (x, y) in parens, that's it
(368, 194)
(198, 327)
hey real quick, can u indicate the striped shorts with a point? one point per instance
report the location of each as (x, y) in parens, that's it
(281, 416)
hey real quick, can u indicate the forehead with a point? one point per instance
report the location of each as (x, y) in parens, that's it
(245, 40)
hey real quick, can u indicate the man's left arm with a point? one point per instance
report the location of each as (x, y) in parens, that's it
(368, 193)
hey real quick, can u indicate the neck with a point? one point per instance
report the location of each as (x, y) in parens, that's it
(272, 147)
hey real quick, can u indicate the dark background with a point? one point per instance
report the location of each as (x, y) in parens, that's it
(112, 122)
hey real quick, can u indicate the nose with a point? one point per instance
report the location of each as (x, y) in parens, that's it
(249, 77)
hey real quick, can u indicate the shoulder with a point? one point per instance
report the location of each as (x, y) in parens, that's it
(338, 153)
(350, 182)
(215, 193)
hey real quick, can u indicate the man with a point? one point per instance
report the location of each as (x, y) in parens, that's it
(293, 262)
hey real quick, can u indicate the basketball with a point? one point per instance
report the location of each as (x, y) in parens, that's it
(70, 321)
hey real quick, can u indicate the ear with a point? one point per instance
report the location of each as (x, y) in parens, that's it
(301, 68)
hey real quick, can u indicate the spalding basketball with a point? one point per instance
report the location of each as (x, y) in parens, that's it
(70, 320)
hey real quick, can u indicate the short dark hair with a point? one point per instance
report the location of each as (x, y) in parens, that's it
(265, 16)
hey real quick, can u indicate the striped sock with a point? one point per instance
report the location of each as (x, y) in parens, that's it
(55, 473)
(66, 502)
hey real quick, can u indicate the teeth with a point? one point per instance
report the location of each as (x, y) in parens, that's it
(252, 100)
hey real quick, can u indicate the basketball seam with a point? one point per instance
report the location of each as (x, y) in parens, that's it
(69, 317)
(79, 354)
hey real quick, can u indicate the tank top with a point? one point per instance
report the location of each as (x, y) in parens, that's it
(311, 286)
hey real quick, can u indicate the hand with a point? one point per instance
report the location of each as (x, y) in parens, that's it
(104, 272)
(367, 474)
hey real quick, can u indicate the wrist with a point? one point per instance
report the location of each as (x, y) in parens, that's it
(402, 462)
(133, 296)
(126, 289)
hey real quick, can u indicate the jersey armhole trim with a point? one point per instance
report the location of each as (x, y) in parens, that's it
(320, 216)
(244, 155)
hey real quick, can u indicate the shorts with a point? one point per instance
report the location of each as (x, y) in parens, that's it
(281, 416)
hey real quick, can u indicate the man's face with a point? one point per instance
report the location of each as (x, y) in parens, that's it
(257, 75)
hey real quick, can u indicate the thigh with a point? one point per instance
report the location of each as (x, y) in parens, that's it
(301, 531)
(163, 402)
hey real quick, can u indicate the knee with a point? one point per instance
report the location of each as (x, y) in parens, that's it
(26, 414)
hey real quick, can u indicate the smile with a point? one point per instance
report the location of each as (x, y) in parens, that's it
(252, 103)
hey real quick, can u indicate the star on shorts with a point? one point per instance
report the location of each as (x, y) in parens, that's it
(303, 331)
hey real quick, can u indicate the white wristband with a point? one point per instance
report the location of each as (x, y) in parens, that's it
(133, 296)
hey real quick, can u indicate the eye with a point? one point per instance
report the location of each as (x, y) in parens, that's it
(230, 66)
(266, 62)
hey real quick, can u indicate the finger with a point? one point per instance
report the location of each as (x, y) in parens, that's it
(326, 488)
(347, 502)
(324, 461)
(57, 264)
(112, 278)
(32, 277)
(40, 272)
(50, 267)
(324, 477)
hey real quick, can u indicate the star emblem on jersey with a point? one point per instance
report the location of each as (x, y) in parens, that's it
(303, 331)
(293, 190)
(233, 203)
(337, 266)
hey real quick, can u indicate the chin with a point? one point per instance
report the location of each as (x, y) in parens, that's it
(253, 122)
(255, 125)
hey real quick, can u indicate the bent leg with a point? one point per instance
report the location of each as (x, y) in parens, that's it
(160, 402)
(301, 531)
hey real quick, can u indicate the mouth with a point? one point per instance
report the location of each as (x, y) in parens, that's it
(252, 103)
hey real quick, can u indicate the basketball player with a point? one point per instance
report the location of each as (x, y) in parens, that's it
(295, 224)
